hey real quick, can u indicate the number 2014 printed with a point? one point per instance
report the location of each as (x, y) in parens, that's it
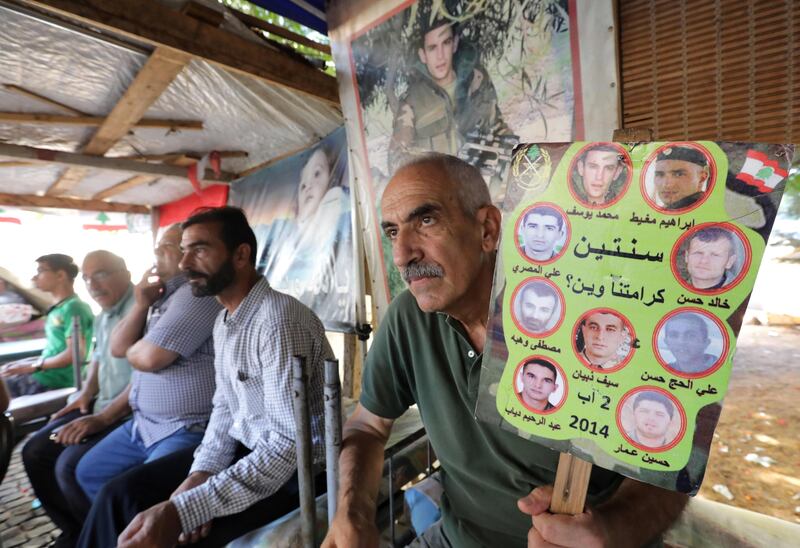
(590, 427)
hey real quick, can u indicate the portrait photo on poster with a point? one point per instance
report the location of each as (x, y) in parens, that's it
(543, 232)
(600, 175)
(650, 418)
(690, 342)
(537, 307)
(711, 258)
(540, 384)
(462, 78)
(678, 177)
(604, 340)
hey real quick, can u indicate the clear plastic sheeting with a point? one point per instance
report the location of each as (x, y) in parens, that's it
(28, 179)
(162, 191)
(69, 67)
(90, 73)
(238, 113)
(97, 180)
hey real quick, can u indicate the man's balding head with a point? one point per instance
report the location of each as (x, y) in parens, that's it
(461, 178)
(168, 252)
(106, 276)
(437, 213)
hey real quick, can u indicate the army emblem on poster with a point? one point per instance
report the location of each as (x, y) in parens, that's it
(532, 168)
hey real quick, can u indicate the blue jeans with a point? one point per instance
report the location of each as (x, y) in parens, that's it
(121, 450)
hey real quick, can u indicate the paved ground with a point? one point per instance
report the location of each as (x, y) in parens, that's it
(756, 451)
(20, 524)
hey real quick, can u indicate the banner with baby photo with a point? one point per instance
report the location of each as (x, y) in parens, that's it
(466, 78)
(623, 275)
(300, 211)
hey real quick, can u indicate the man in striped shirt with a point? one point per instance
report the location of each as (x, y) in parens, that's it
(244, 472)
(166, 337)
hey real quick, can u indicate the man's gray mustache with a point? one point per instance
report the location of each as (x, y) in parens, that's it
(421, 270)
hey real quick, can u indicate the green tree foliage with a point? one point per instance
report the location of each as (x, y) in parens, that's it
(791, 196)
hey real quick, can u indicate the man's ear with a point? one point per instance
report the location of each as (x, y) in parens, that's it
(581, 167)
(455, 43)
(705, 176)
(422, 57)
(242, 254)
(489, 218)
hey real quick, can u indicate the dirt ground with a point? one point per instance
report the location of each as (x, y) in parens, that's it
(760, 417)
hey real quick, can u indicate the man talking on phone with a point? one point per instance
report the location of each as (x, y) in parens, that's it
(166, 337)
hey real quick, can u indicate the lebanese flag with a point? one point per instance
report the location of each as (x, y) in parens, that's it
(761, 172)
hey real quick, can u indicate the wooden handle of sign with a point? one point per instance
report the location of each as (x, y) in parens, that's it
(572, 482)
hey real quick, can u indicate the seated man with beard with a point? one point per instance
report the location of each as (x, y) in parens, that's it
(243, 475)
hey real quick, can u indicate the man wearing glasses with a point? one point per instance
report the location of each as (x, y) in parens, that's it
(166, 337)
(52, 454)
(56, 275)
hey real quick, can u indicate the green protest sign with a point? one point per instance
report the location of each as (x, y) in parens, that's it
(623, 274)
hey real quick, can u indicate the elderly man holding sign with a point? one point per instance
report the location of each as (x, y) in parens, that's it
(437, 213)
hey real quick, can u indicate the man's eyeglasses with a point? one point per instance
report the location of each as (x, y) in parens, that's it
(99, 276)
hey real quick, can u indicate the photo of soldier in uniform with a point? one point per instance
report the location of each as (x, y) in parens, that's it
(542, 233)
(600, 175)
(604, 340)
(462, 78)
(540, 385)
(537, 307)
(444, 101)
(651, 420)
(679, 178)
(690, 344)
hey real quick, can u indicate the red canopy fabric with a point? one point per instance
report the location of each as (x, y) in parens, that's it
(179, 210)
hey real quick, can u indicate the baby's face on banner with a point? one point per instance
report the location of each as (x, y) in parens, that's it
(314, 181)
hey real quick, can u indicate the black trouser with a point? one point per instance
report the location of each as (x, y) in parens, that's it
(146, 485)
(51, 470)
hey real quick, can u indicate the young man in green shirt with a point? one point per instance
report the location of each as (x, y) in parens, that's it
(55, 274)
(437, 213)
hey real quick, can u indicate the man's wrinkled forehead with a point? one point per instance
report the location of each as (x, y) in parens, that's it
(414, 186)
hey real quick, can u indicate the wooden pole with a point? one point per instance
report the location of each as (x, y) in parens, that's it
(571, 485)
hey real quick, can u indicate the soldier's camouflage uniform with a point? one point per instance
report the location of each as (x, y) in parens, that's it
(427, 120)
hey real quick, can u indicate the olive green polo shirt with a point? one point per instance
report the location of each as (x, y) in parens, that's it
(57, 329)
(427, 359)
(113, 374)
